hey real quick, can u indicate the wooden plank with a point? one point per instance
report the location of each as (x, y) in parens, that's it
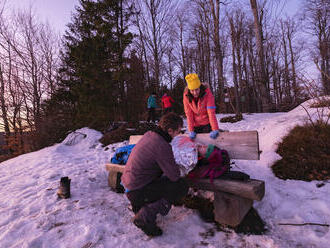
(133, 139)
(115, 172)
(230, 209)
(240, 145)
(251, 189)
(115, 167)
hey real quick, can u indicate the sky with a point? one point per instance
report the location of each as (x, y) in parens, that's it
(31, 215)
(58, 12)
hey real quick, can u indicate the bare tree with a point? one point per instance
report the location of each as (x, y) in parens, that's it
(236, 31)
(156, 18)
(141, 45)
(287, 83)
(262, 78)
(219, 54)
(317, 16)
(50, 46)
(181, 28)
(28, 72)
(3, 104)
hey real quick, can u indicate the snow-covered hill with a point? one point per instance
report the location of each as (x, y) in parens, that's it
(31, 215)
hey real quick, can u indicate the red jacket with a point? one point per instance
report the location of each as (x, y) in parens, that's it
(202, 113)
(167, 101)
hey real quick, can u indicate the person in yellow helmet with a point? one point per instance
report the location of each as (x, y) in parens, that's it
(199, 107)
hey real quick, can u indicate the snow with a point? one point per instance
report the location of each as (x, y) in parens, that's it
(31, 215)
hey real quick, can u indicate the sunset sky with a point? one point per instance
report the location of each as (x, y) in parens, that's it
(58, 12)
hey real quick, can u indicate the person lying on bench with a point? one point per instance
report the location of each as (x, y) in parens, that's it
(214, 163)
(151, 177)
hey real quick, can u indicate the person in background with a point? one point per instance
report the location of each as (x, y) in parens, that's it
(167, 102)
(199, 108)
(152, 105)
(151, 177)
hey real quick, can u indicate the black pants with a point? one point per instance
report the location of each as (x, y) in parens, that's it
(151, 114)
(203, 129)
(156, 190)
(167, 110)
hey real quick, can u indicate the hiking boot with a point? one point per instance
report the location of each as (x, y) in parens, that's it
(162, 205)
(150, 229)
(64, 189)
(145, 219)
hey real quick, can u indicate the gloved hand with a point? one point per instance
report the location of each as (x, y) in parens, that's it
(214, 134)
(192, 135)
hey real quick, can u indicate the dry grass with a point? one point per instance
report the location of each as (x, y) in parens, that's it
(123, 132)
(322, 103)
(232, 118)
(305, 154)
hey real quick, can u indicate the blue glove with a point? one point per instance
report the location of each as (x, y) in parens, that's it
(214, 134)
(192, 135)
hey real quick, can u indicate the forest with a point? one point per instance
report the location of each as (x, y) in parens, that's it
(114, 53)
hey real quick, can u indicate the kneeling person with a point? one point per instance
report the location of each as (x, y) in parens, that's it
(151, 177)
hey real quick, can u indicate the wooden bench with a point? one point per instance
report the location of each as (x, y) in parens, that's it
(232, 198)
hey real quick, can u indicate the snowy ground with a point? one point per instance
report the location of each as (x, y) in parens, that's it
(31, 215)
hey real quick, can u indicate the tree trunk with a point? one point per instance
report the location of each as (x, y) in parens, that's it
(233, 36)
(262, 78)
(215, 10)
(287, 85)
(3, 103)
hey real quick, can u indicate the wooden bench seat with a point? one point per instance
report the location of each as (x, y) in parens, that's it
(232, 198)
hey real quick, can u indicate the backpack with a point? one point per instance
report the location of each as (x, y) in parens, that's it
(214, 166)
(121, 154)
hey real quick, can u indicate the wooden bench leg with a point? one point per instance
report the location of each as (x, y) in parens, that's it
(114, 181)
(230, 209)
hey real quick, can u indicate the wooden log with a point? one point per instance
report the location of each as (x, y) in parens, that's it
(115, 172)
(251, 189)
(133, 139)
(240, 145)
(116, 167)
(230, 209)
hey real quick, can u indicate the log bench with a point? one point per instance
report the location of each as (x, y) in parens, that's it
(232, 198)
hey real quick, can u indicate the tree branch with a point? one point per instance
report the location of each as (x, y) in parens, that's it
(303, 224)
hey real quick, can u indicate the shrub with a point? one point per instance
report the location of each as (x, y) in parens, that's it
(123, 131)
(321, 103)
(305, 154)
(232, 118)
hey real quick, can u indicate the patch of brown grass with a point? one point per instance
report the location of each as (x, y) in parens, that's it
(232, 118)
(321, 103)
(305, 154)
(123, 132)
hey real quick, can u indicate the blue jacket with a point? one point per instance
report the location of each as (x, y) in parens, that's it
(152, 102)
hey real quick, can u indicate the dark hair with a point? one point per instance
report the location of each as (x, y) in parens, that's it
(201, 93)
(170, 120)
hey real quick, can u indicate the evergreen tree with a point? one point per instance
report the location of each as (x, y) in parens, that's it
(93, 62)
(136, 89)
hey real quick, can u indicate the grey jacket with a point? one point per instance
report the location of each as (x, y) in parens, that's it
(150, 158)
